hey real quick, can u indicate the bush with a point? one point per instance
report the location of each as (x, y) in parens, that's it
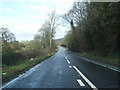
(11, 58)
(63, 45)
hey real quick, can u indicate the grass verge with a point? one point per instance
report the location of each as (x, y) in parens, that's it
(10, 72)
(112, 60)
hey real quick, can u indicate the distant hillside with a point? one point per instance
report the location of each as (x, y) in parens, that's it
(58, 41)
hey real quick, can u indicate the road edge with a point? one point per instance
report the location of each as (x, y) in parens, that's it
(114, 68)
(27, 70)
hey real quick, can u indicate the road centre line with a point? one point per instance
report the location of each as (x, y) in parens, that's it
(80, 82)
(65, 57)
(68, 61)
(70, 66)
(83, 76)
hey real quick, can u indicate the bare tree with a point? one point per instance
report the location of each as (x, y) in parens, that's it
(52, 24)
(7, 36)
(46, 33)
(68, 17)
(43, 35)
(76, 14)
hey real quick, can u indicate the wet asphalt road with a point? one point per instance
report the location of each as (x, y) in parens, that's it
(66, 70)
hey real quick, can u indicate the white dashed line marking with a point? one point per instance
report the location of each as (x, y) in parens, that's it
(80, 82)
(68, 61)
(65, 57)
(83, 76)
(70, 66)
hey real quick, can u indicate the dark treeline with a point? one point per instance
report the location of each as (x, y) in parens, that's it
(94, 28)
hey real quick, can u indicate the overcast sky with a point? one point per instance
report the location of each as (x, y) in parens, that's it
(25, 17)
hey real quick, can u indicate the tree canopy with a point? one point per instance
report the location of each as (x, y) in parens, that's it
(95, 27)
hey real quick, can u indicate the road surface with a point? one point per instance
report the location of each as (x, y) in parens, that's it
(66, 70)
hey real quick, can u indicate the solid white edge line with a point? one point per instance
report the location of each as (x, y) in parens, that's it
(10, 82)
(114, 69)
(83, 76)
(80, 82)
(68, 61)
